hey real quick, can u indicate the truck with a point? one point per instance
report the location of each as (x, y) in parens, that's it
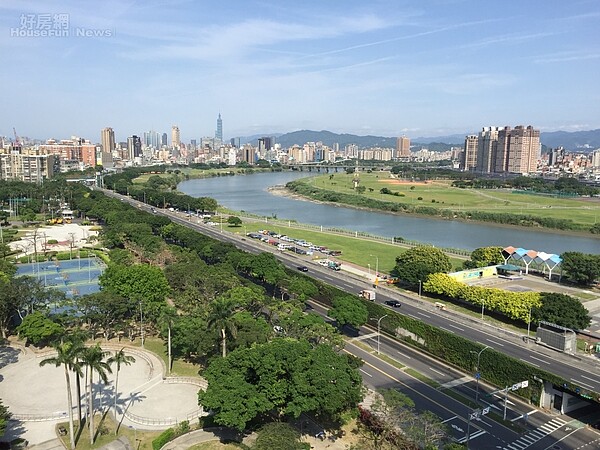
(367, 295)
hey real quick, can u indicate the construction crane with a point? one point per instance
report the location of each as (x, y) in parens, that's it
(17, 142)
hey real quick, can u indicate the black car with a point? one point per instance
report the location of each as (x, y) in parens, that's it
(393, 303)
(303, 268)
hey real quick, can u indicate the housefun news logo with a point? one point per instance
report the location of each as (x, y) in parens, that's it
(53, 26)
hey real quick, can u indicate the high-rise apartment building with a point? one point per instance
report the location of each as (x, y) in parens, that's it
(402, 147)
(175, 136)
(518, 150)
(30, 167)
(469, 155)
(486, 149)
(134, 147)
(108, 145)
(596, 158)
(264, 144)
(219, 132)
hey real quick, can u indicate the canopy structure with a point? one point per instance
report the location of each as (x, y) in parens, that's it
(541, 260)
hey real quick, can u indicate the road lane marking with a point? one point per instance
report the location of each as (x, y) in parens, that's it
(366, 336)
(528, 362)
(494, 342)
(451, 418)
(437, 371)
(423, 314)
(540, 360)
(582, 383)
(446, 329)
(406, 356)
(454, 326)
(366, 373)
(591, 379)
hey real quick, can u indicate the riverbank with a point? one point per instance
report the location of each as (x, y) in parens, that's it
(444, 216)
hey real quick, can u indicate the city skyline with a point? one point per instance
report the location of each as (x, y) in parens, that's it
(388, 68)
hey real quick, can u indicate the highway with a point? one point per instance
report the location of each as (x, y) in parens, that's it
(536, 429)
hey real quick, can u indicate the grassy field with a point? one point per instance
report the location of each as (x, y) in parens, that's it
(441, 194)
(361, 252)
(180, 368)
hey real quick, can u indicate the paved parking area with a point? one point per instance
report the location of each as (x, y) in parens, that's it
(32, 392)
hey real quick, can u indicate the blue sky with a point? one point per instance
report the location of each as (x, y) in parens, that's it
(383, 67)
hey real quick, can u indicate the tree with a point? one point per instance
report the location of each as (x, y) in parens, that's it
(580, 268)
(562, 310)
(415, 264)
(221, 318)
(4, 418)
(234, 221)
(38, 329)
(284, 378)
(483, 257)
(120, 357)
(278, 436)
(348, 310)
(93, 358)
(66, 355)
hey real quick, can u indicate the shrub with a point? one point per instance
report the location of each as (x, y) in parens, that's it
(52, 241)
(419, 198)
(163, 438)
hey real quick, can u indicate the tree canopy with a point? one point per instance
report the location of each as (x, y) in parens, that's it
(348, 310)
(417, 263)
(284, 377)
(562, 310)
(581, 268)
(483, 257)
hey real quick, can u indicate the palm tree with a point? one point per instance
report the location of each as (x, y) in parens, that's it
(66, 355)
(119, 358)
(221, 318)
(167, 319)
(93, 358)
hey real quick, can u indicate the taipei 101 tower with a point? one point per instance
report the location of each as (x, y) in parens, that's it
(219, 132)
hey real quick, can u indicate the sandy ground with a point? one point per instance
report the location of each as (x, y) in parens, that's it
(70, 235)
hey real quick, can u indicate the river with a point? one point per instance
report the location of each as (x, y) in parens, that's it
(250, 193)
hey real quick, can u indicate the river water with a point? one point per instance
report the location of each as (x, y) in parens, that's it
(250, 193)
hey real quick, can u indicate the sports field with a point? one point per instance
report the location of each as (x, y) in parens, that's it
(74, 277)
(440, 194)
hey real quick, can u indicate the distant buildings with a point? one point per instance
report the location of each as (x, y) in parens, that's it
(502, 150)
(28, 165)
(219, 131)
(402, 147)
(175, 137)
(107, 139)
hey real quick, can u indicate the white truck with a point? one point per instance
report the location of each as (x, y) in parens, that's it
(367, 295)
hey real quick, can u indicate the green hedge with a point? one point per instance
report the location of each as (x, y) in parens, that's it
(514, 305)
(163, 438)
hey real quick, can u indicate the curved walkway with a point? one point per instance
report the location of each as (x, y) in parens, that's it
(36, 396)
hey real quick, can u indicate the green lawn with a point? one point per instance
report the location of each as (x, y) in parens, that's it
(180, 368)
(440, 194)
(359, 251)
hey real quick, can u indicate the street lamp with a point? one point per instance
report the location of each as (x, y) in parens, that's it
(141, 325)
(482, 308)
(419, 288)
(477, 375)
(379, 331)
(528, 325)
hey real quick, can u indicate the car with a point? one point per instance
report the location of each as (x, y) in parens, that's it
(393, 303)
(303, 268)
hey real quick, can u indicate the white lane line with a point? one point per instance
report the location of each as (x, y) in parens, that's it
(454, 326)
(406, 356)
(449, 419)
(410, 315)
(366, 373)
(582, 383)
(540, 360)
(494, 342)
(503, 340)
(437, 371)
(423, 314)
(473, 436)
(591, 379)
(530, 363)
(449, 331)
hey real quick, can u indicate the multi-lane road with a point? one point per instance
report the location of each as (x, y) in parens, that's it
(534, 429)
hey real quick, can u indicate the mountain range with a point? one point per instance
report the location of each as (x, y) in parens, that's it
(577, 140)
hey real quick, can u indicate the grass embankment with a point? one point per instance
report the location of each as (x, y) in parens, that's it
(584, 212)
(359, 251)
(188, 173)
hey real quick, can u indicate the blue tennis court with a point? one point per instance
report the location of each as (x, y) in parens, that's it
(74, 277)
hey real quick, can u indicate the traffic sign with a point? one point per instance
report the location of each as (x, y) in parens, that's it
(477, 375)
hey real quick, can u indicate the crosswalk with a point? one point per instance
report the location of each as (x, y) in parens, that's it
(534, 436)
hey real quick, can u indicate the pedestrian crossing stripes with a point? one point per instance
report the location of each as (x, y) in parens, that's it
(534, 436)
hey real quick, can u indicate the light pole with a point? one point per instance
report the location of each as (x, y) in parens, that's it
(369, 264)
(376, 265)
(141, 325)
(477, 374)
(528, 325)
(419, 288)
(482, 308)
(379, 331)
